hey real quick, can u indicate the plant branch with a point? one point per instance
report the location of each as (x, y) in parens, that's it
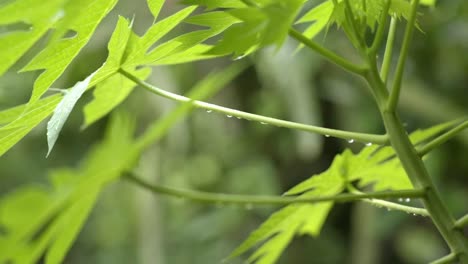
(397, 207)
(350, 19)
(417, 172)
(388, 50)
(462, 222)
(328, 54)
(389, 205)
(395, 93)
(442, 139)
(208, 197)
(450, 258)
(380, 30)
(361, 137)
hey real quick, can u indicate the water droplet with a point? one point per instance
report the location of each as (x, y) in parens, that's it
(351, 141)
(327, 135)
(209, 111)
(239, 57)
(248, 206)
(400, 200)
(407, 200)
(229, 116)
(369, 144)
(263, 123)
(238, 117)
(414, 214)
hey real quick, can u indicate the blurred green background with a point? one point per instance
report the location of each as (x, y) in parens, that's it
(212, 152)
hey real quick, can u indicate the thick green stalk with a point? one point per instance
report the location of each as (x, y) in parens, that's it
(450, 258)
(419, 176)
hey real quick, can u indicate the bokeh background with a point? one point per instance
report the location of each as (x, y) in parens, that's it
(212, 152)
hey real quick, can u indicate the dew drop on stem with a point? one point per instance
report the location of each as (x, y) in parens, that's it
(400, 200)
(368, 144)
(327, 135)
(239, 57)
(263, 123)
(407, 200)
(229, 116)
(209, 111)
(351, 141)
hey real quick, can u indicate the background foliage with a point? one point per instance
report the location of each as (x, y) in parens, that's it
(212, 152)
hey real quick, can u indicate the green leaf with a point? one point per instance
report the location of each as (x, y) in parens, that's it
(38, 219)
(116, 47)
(13, 132)
(372, 165)
(301, 219)
(428, 2)
(320, 15)
(110, 93)
(155, 6)
(188, 47)
(138, 46)
(36, 16)
(261, 26)
(68, 225)
(63, 110)
(212, 4)
(57, 55)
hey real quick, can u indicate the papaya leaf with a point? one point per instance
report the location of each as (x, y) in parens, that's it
(279, 229)
(63, 110)
(372, 165)
(320, 15)
(110, 93)
(212, 4)
(189, 47)
(58, 54)
(428, 2)
(155, 6)
(68, 225)
(116, 47)
(38, 219)
(267, 24)
(30, 117)
(33, 19)
(139, 46)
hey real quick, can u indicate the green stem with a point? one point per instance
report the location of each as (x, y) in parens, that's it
(387, 60)
(442, 139)
(351, 21)
(450, 258)
(397, 207)
(416, 171)
(380, 30)
(207, 197)
(361, 137)
(395, 93)
(389, 205)
(462, 222)
(328, 54)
